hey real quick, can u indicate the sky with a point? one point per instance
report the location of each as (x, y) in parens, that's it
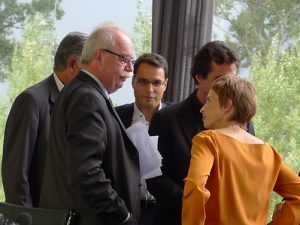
(85, 15)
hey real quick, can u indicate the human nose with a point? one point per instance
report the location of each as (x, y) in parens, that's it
(128, 67)
(202, 109)
(150, 86)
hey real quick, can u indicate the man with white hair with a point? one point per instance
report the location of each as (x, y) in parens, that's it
(92, 166)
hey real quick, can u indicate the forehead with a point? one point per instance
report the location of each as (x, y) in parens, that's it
(123, 45)
(212, 95)
(148, 71)
(223, 69)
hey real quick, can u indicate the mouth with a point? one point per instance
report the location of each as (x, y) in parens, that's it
(149, 97)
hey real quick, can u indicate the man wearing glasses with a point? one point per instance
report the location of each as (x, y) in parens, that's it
(149, 83)
(92, 166)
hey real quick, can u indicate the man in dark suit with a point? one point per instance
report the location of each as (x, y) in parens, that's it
(27, 126)
(92, 166)
(177, 124)
(149, 82)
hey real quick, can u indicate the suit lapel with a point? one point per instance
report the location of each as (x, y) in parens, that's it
(87, 78)
(90, 80)
(113, 111)
(54, 92)
(127, 114)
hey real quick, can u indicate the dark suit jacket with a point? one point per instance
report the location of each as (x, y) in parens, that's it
(25, 142)
(92, 166)
(176, 126)
(126, 111)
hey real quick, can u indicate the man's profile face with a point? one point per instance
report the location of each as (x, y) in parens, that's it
(217, 70)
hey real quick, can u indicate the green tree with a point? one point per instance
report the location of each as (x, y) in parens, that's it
(3, 115)
(142, 29)
(277, 80)
(33, 56)
(252, 24)
(12, 17)
(31, 62)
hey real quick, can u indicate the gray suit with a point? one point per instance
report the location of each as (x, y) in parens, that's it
(92, 166)
(25, 143)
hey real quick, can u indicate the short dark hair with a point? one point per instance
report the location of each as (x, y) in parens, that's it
(71, 45)
(241, 92)
(153, 59)
(214, 51)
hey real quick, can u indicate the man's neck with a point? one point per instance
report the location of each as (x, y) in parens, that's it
(201, 96)
(148, 113)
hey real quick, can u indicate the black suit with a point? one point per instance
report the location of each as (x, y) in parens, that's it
(126, 111)
(126, 114)
(176, 126)
(92, 166)
(25, 143)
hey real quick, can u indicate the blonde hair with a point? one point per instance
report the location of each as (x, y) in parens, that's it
(242, 94)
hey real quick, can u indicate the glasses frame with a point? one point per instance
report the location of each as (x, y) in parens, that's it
(144, 82)
(122, 58)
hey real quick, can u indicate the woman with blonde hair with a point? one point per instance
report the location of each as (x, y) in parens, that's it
(232, 173)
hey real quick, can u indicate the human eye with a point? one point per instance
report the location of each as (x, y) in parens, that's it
(123, 58)
(142, 81)
(157, 83)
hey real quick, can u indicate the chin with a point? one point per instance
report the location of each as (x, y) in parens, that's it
(206, 126)
(118, 87)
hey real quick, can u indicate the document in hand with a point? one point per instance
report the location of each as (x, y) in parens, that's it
(150, 158)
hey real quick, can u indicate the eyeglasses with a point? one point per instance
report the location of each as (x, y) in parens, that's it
(145, 82)
(127, 61)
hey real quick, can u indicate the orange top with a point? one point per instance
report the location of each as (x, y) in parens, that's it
(230, 183)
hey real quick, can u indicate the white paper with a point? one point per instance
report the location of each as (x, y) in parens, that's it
(150, 158)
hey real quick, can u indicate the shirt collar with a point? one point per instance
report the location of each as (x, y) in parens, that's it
(98, 82)
(139, 116)
(59, 84)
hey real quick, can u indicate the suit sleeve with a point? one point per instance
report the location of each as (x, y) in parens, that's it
(87, 142)
(163, 187)
(288, 186)
(18, 148)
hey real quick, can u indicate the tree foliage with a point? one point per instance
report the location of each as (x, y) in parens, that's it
(142, 29)
(12, 16)
(33, 56)
(277, 80)
(252, 25)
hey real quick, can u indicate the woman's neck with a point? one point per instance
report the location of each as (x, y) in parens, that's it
(232, 127)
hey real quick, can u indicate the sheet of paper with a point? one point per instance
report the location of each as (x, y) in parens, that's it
(149, 156)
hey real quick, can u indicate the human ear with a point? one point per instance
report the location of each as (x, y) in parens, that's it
(228, 106)
(198, 78)
(98, 55)
(73, 64)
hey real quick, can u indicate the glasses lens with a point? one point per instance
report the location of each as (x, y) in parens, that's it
(157, 83)
(144, 82)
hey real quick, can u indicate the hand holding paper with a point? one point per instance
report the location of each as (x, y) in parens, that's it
(150, 158)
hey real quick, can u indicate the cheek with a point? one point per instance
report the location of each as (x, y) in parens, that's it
(159, 93)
